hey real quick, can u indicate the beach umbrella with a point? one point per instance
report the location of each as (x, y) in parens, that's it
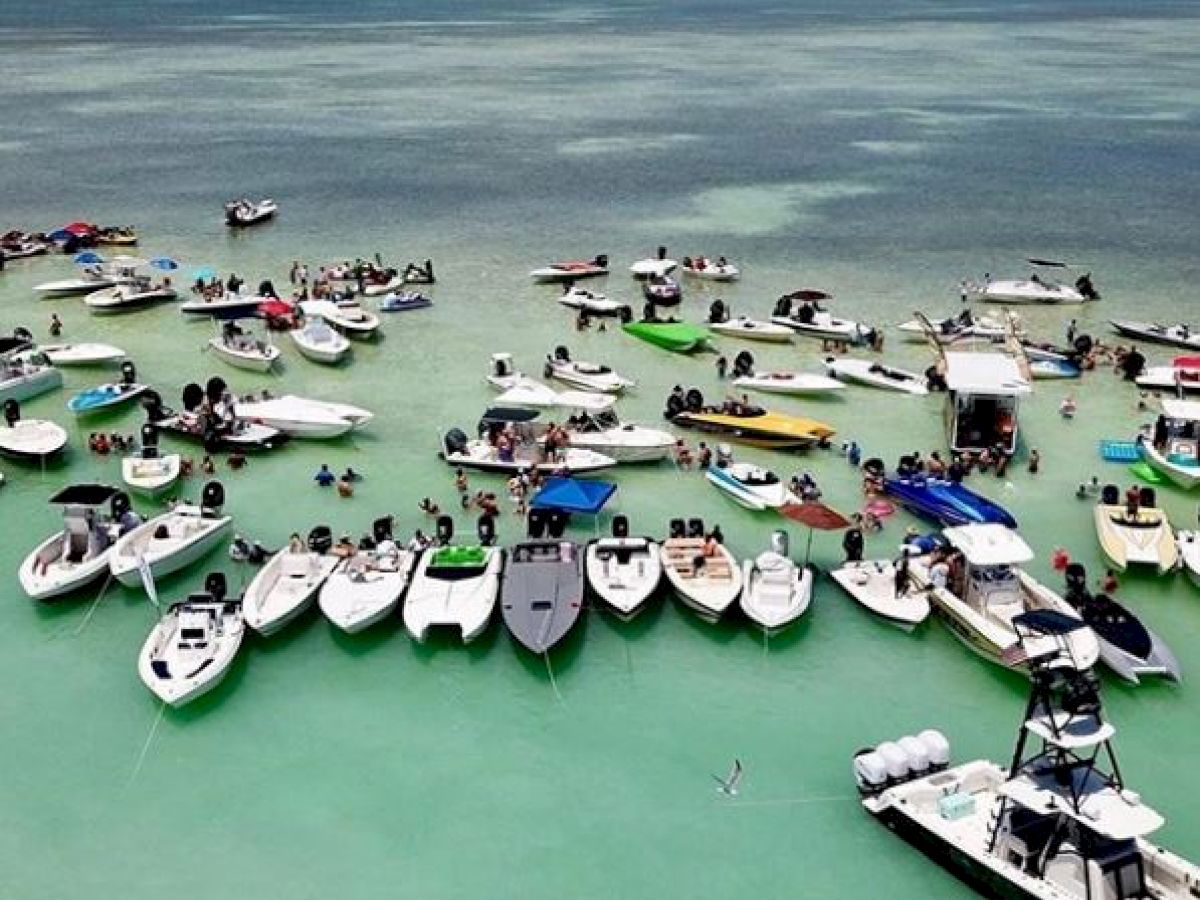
(79, 229)
(276, 309)
(817, 517)
(204, 273)
(87, 258)
(165, 263)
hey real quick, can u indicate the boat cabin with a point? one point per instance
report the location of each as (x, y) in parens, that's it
(983, 567)
(984, 393)
(1177, 432)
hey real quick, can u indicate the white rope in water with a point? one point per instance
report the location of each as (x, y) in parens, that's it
(787, 801)
(162, 708)
(553, 683)
(95, 603)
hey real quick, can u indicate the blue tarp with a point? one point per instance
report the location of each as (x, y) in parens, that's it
(571, 495)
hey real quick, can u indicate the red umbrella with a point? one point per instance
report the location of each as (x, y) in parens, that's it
(79, 228)
(816, 516)
(271, 308)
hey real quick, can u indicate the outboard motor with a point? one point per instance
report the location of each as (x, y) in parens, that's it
(718, 534)
(152, 404)
(556, 523)
(12, 412)
(693, 400)
(502, 366)
(675, 405)
(320, 539)
(648, 313)
(1110, 495)
(381, 529)
(1084, 285)
(1076, 578)
(743, 364)
(895, 761)
(455, 441)
(620, 524)
(149, 441)
(870, 772)
(695, 528)
(192, 397)
(625, 314)
(128, 372)
(486, 529)
(21, 333)
(783, 306)
(662, 252)
(602, 260)
(266, 289)
(212, 498)
(1147, 497)
(717, 312)
(119, 504)
(917, 753)
(215, 586)
(215, 388)
(779, 542)
(443, 530)
(535, 524)
(937, 749)
(676, 528)
(562, 354)
(1083, 344)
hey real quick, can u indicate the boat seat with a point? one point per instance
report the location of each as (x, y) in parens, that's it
(775, 587)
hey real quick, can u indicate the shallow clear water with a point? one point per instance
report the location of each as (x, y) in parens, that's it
(882, 153)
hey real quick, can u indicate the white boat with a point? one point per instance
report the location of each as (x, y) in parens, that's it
(592, 303)
(347, 316)
(518, 389)
(227, 305)
(78, 554)
(147, 471)
(1175, 379)
(29, 439)
(570, 271)
(1138, 536)
(1059, 823)
(1180, 335)
(90, 279)
(623, 571)
(873, 584)
(453, 587)
(964, 326)
(984, 390)
(81, 354)
(128, 296)
(1039, 287)
(288, 582)
(709, 585)
(1174, 447)
(588, 376)
(750, 486)
(653, 267)
(707, 269)
(625, 442)
(987, 591)
(366, 588)
(1189, 554)
(193, 645)
(483, 456)
(171, 541)
(776, 592)
(796, 383)
(303, 417)
(825, 326)
(23, 249)
(243, 212)
(23, 376)
(874, 374)
(382, 288)
(318, 342)
(243, 350)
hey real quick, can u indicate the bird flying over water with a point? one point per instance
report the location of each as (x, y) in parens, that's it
(729, 784)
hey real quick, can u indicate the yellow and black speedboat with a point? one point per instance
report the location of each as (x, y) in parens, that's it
(745, 422)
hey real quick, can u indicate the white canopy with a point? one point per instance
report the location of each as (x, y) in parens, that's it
(994, 374)
(1181, 409)
(1103, 809)
(989, 545)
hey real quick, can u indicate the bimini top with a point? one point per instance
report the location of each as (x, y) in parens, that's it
(1188, 410)
(574, 495)
(85, 494)
(985, 373)
(989, 545)
(508, 414)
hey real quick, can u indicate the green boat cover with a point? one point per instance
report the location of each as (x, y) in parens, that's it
(679, 337)
(455, 557)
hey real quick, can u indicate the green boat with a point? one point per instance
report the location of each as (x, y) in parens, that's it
(678, 337)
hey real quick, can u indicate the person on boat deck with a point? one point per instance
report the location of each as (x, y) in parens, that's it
(936, 467)
(324, 478)
(1133, 501)
(1133, 364)
(295, 544)
(900, 581)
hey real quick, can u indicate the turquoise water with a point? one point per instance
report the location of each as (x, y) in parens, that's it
(881, 153)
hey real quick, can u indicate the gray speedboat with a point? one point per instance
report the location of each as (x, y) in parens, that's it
(541, 596)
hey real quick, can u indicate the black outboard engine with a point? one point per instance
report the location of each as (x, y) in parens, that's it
(443, 530)
(149, 441)
(536, 523)
(119, 504)
(1084, 285)
(215, 586)
(556, 522)
(602, 260)
(693, 400)
(1147, 497)
(212, 498)
(625, 314)
(677, 529)
(152, 404)
(1083, 344)
(743, 364)
(695, 528)
(266, 289)
(215, 388)
(1110, 495)
(12, 412)
(648, 313)
(192, 397)
(455, 441)
(486, 529)
(128, 372)
(562, 354)
(783, 306)
(662, 252)
(21, 333)
(718, 312)
(1076, 577)
(620, 523)
(675, 406)
(320, 539)
(718, 534)
(382, 529)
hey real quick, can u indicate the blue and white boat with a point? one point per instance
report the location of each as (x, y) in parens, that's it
(403, 301)
(946, 502)
(750, 486)
(105, 396)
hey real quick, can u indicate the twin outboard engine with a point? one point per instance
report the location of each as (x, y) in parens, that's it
(556, 523)
(12, 412)
(215, 388)
(895, 762)
(1076, 578)
(502, 365)
(693, 400)
(443, 530)
(743, 364)
(783, 306)
(648, 313)
(718, 312)
(149, 441)
(320, 539)
(625, 314)
(486, 529)
(119, 505)
(266, 289)
(152, 404)
(1147, 497)
(455, 441)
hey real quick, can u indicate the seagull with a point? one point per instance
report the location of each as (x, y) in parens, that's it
(729, 784)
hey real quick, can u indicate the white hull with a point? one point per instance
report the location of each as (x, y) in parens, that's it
(553, 274)
(463, 603)
(304, 418)
(724, 273)
(652, 268)
(711, 590)
(190, 538)
(228, 304)
(151, 477)
(860, 371)
(825, 327)
(284, 588)
(347, 317)
(321, 344)
(46, 580)
(257, 360)
(82, 354)
(733, 481)
(789, 383)
(1150, 542)
(190, 673)
(30, 383)
(873, 584)
(31, 439)
(776, 591)
(1189, 554)
(1025, 291)
(354, 602)
(628, 444)
(588, 377)
(1186, 477)
(121, 299)
(481, 456)
(624, 572)
(753, 330)
(71, 287)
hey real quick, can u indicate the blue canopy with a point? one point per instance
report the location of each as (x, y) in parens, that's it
(88, 258)
(204, 273)
(165, 263)
(571, 495)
